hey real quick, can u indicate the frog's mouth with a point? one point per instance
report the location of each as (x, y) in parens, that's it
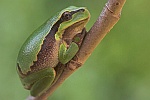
(74, 29)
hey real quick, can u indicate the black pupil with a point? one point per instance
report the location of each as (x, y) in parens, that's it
(66, 16)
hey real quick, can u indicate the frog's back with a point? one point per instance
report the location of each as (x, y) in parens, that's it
(32, 46)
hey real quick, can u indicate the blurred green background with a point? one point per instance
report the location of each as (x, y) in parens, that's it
(118, 69)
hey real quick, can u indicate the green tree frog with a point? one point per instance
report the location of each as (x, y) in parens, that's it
(49, 45)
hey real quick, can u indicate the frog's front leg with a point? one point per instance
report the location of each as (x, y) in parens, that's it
(39, 82)
(66, 54)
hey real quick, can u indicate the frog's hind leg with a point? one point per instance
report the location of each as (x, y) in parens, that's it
(43, 83)
(40, 81)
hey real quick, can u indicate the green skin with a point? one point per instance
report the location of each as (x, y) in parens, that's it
(47, 46)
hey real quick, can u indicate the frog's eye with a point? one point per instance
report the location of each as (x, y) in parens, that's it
(66, 16)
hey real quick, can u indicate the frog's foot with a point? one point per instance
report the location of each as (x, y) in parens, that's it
(66, 54)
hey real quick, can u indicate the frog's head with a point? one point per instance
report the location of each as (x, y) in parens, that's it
(72, 21)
